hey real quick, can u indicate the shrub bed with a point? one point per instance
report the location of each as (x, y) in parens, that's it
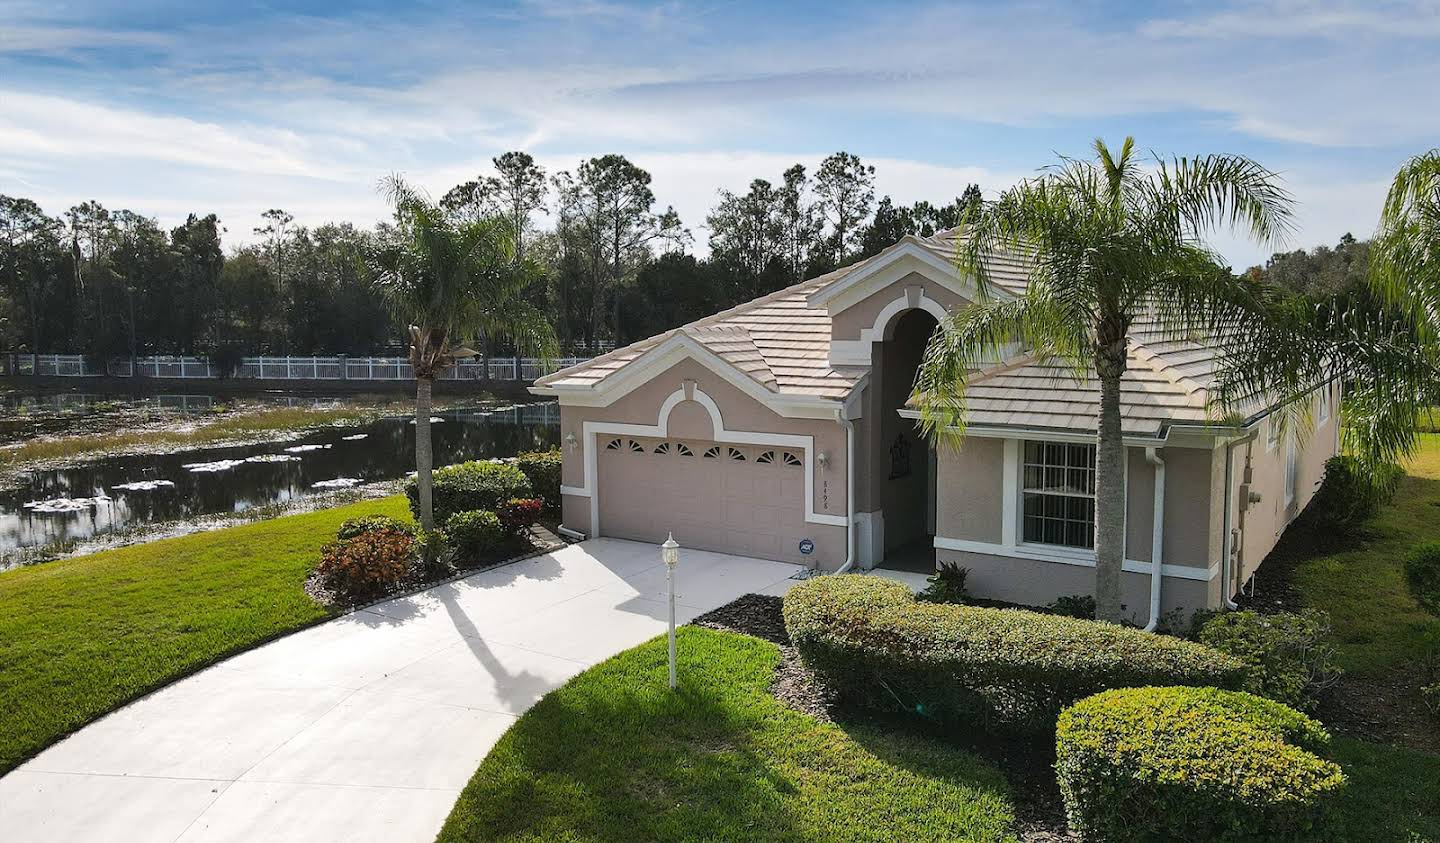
(542, 468)
(872, 643)
(353, 527)
(1192, 764)
(1286, 653)
(368, 564)
(475, 534)
(481, 484)
(1422, 575)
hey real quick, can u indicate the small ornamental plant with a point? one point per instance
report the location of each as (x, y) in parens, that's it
(517, 514)
(353, 527)
(475, 534)
(367, 565)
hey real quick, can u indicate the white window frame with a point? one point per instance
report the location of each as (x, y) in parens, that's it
(1021, 492)
(1324, 411)
(1292, 469)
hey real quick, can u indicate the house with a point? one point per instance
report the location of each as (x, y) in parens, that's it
(779, 429)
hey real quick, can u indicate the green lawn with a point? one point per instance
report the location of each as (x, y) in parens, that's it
(614, 755)
(1377, 625)
(82, 636)
(1394, 794)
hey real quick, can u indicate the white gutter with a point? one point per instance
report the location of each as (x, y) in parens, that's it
(1157, 538)
(1227, 549)
(849, 426)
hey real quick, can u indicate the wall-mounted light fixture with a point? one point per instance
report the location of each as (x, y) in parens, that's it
(824, 459)
(571, 441)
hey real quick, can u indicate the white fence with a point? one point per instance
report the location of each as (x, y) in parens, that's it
(523, 369)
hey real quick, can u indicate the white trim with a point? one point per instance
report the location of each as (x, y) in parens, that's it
(870, 538)
(1068, 557)
(591, 430)
(645, 368)
(577, 491)
(858, 352)
(916, 258)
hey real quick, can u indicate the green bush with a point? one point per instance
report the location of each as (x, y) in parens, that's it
(481, 484)
(1192, 764)
(1286, 653)
(1348, 496)
(517, 514)
(1422, 574)
(1073, 606)
(873, 644)
(353, 527)
(436, 554)
(476, 534)
(543, 470)
(946, 585)
(367, 565)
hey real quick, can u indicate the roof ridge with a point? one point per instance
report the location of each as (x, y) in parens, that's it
(1152, 359)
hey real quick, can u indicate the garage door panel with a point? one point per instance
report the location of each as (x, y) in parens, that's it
(752, 507)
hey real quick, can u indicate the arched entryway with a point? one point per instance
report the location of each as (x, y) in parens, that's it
(901, 461)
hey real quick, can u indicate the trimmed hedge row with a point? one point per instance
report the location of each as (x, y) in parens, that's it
(876, 646)
(1192, 764)
(481, 484)
(543, 470)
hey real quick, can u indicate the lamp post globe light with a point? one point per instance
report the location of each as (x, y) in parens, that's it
(670, 555)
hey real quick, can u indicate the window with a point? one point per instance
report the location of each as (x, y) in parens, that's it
(613, 446)
(1324, 403)
(765, 458)
(1291, 466)
(636, 447)
(734, 454)
(1058, 494)
(683, 450)
(662, 448)
(792, 460)
(712, 452)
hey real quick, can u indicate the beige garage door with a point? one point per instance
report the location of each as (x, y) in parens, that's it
(742, 499)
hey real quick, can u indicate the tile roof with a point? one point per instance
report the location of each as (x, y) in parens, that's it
(783, 343)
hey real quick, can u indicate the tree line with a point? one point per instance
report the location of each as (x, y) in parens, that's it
(614, 265)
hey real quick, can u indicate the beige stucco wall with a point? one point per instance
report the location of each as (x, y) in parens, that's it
(1263, 522)
(969, 490)
(847, 324)
(1036, 583)
(690, 420)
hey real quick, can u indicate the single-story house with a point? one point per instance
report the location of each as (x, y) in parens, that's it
(780, 429)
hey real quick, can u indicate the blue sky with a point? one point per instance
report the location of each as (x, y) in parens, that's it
(172, 107)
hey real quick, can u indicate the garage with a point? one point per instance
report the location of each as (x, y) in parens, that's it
(727, 497)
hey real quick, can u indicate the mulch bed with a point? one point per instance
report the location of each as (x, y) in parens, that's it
(1040, 816)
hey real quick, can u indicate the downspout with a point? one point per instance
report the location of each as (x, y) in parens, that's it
(1157, 537)
(849, 426)
(1228, 542)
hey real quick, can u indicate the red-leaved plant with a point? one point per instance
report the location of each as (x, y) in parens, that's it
(518, 513)
(367, 565)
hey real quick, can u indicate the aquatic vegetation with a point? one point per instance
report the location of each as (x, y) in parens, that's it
(143, 485)
(301, 449)
(337, 483)
(269, 458)
(355, 437)
(211, 467)
(62, 504)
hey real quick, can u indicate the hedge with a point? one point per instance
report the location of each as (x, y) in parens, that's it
(481, 484)
(1287, 655)
(873, 644)
(543, 470)
(1192, 764)
(475, 533)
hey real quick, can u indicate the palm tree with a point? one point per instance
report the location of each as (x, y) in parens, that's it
(1111, 242)
(449, 280)
(1382, 341)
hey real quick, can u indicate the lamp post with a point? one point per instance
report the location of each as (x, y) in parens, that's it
(670, 554)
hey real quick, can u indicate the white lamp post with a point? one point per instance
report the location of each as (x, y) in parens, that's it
(670, 553)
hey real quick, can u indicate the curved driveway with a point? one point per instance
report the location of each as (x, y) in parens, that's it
(365, 727)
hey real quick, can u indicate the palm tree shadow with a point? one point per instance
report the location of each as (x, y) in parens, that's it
(518, 690)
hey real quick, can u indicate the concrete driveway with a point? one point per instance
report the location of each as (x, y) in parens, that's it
(365, 727)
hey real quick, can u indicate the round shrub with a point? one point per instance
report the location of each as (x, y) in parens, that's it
(481, 484)
(517, 514)
(353, 527)
(1422, 574)
(872, 643)
(1286, 653)
(475, 534)
(1349, 496)
(1192, 764)
(366, 565)
(543, 470)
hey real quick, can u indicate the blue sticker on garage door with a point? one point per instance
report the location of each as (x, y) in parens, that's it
(807, 547)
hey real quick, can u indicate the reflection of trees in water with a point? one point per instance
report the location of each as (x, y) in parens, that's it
(387, 452)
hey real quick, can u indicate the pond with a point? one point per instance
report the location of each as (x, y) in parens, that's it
(127, 491)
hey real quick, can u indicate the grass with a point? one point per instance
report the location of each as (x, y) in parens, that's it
(614, 755)
(1378, 627)
(80, 637)
(1393, 795)
(229, 427)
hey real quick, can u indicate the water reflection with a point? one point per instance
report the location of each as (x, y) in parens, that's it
(256, 475)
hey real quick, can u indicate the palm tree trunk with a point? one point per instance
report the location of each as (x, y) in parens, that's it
(424, 459)
(1109, 482)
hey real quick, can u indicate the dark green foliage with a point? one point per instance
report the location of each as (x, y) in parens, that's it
(1349, 496)
(1321, 271)
(542, 468)
(1193, 764)
(1287, 653)
(1074, 606)
(517, 514)
(475, 534)
(480, 484)
(353, 527)
(874, 644)
(1422, 575)
(435, 554)
(946, 585)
